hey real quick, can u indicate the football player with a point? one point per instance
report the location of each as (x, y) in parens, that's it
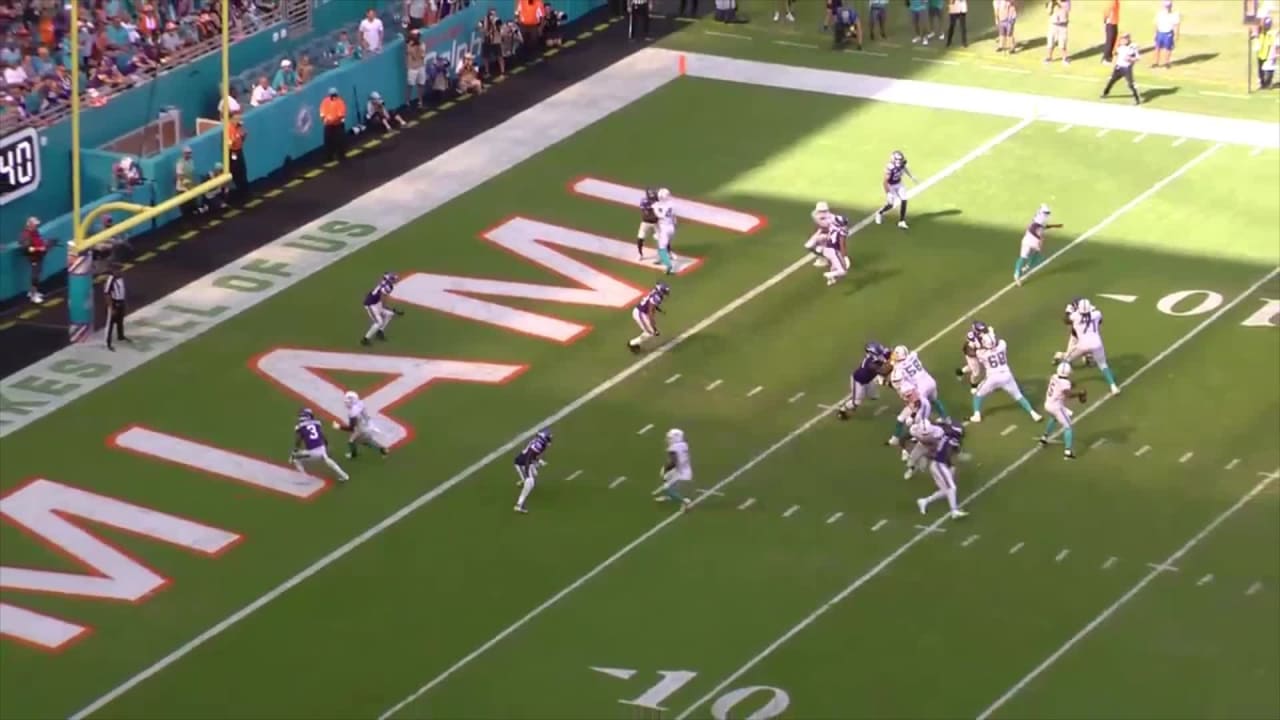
(943, 469)
(994, 356)
(648, 220)
(376, 308)
(914, 409)
(310, 445)
(360, 426)
(894, 194)
(666, 213)
(836, 251)
(864, 380)
(923, 441)
(972, 343)
(644, 315)
(678, 469)
(1060, 390)
(822, 218)
(527, 464)
(1033, 244)
(908, 363)
(1086, 340)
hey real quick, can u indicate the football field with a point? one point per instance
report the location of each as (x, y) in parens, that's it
(162, 560)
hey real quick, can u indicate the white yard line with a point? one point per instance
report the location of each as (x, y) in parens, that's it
(926, 531)
(1125, 598)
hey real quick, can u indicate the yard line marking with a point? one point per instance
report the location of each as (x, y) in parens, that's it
(673, 378)
(645, 429)
(1179, 141)
(800, 264)
(998, 68)
(795, 397)
(703, 492)
(1142, 451)
(1103, 132)
(1140, 138)
(1186, 457)
(788, 43)
(969, 540)
(621, 479)
(735, 36)
(573, 475)
(1125, 598)
(1065, 128)
(1119, 298)
(879, 524)
(714, 384)
(1062, 555)
(835, 517)
(791, 511)
(881, 410)
(1110, 561)
(935, 62)
(1013, 550)
(1257, 151)
(747, 503)
(1163, 567)
(1077, 78)
(873, 53)
(1253, 588)
(1233, 96)
(931, 529)
(1008, 430)
(755, 390)
(1098, 443)
(925, 531)
(1231, 465)
(1205, 580)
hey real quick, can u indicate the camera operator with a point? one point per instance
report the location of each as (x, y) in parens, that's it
(847, 24)
(638, 21)
(378, 117)
(469, 76)
(215, 199)
(438, 78)
(490, 29)
(551, 21)
(34, 248)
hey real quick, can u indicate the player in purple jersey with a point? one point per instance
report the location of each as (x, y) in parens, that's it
(310, 445)
(644, 315)
(527, 464)
(836, 251)
(942, 468)
(375, 307)
(648, 219)
(972, 342)
(862, 383)
(894, 193)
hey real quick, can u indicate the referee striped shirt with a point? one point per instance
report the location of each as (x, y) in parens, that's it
(114, 289)
(1126, 56)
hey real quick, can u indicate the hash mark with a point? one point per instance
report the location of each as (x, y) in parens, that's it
(1142, 451)
(1065, 128)
(1140, 138)
(1186, 457)
(969, 541)
(1103, 132)
(573, 475)
(617, 482)
(931, 528)
(835, 517)
(714, 384)
(755, 390)
(1110, 561)
(1205, 580)
(673, 378)
(1162, 567)
(1253, 588)
(795, 397)
(1234, 462)
(1008, 430)
(1098, 443)
(645, 429)
(791, 511)
(1016, 548)
(1179, 141)
(747, 503)
(1062, 555)
(880, 410)
(879, 524)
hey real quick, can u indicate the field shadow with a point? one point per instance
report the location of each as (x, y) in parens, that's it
(1153, 93)
(1194, 59)
(935, 214)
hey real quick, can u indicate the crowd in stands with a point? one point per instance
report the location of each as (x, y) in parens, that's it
(121, 44)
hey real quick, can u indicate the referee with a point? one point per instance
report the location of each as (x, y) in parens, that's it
(115, 292)
(1126, 57)
(638, 23)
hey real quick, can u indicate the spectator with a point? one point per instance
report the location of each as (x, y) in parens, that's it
(1168, 31)
(416, 62)
(333, 113)
(378, 117)
(415, 12)
(342, 50)
(551, 26)
(232, 103)
(126, 175)
(305, 69)
(262, 92)
(184, 174)
(1059, 19)
(14, 74)
(438, 77)
(529, 15)
(149, 24)
(371, 32)
(510, 43)
(215, 199)
(432, 15)
(35, 247)
(1110, 29)
(286, 79)
(490, 29)
(469, 75)
(239, 170)
(170, 41)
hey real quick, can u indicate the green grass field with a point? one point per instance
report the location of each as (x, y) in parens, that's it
(804, 583)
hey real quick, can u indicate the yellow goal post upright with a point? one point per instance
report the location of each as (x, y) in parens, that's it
(82, 237)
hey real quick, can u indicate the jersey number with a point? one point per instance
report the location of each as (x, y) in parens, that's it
(997, 360)
(313, 432)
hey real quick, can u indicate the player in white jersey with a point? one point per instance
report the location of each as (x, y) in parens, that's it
(678, 469)
(666, 213)
(924, 436)
(1033, 244)
(908, 364)
(822, 220)
(1086, 332)
(1061, 390)
(994, 356)
(360, 426)
(915, 408)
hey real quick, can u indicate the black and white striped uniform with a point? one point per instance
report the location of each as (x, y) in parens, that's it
(1126, 57)
(114, 290)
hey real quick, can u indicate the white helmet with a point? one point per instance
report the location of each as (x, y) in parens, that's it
(989, 340)
(900, 353)
(350, 398)
(663, 194)
(1044, 208)
(1084, 307)
(822, 207)
(675, 435)
(1064, 369)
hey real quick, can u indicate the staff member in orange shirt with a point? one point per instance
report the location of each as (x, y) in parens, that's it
(239, 175)
(1110, 30)
(333, 113)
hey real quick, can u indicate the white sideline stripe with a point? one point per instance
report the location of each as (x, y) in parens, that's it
(798, 265)
(926, 531)
(1125, 598)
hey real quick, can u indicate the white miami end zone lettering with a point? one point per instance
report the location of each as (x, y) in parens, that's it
(217, 461)
(300, 372)
(41, 509)
(689, 210)
(531, 240)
